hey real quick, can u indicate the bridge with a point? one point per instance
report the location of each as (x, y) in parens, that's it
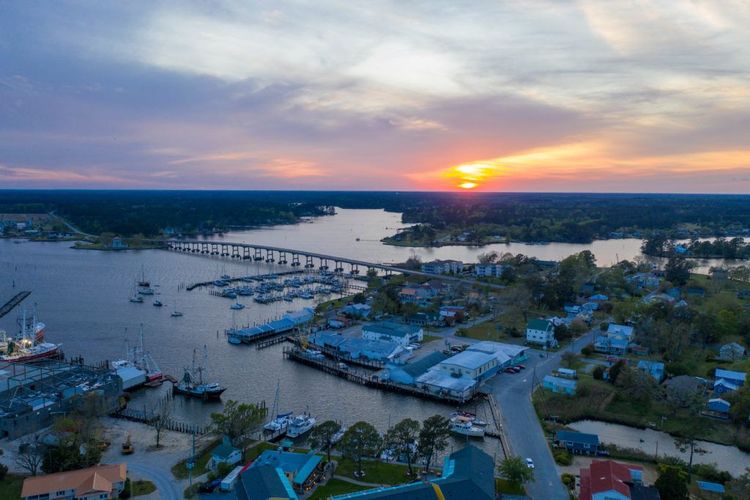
(299, 259)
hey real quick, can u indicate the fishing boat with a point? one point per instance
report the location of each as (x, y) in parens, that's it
(143, 282)
(300, 424)
(466, 427)
(193, 385)
(29, 345)
(176, 313)
(157, 303)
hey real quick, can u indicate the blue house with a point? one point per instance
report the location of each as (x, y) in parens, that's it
(719, 405)
(408, 373)
(560, 385)
(728, 381)
(264, 481)
(300, 469)
(653, 368)
(577, 442)
(357, 310)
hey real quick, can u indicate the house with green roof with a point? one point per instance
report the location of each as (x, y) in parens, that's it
(541, 332)
(224, 453)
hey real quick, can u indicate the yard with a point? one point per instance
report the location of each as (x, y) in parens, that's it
(375, 471)
(335, 487)
(10, 487)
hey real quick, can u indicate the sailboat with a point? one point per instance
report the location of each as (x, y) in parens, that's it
(193, 385)
(280, 422)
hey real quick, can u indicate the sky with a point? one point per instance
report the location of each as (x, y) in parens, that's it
(572, 96)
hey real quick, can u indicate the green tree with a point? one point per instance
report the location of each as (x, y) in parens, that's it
(402, 438)
(321, 436)
(515, 471)
(433, 438)
(672, 483)
(237, 419)
(677, 270)
(360, 440)
(739, 487)
(570, 359)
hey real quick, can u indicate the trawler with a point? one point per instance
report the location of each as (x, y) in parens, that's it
(29, 345)
(192, 383)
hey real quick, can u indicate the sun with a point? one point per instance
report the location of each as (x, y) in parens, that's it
(468, 185)
(469, 176)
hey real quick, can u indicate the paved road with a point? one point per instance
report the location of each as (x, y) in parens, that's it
(167, 486)
(512, 392)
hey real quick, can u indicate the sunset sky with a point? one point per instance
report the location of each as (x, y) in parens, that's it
(609, 96)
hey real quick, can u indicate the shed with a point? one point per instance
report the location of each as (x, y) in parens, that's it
(559, 385)
(719, 405)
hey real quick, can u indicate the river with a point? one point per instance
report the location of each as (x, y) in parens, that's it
(728, 458)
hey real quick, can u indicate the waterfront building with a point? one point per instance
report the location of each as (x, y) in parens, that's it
(489, 270)
(409, 372)
(98, 482)
(653, 368)
(506, 354)
(420, 295)
(393, 332)
(443, 267)
(473, 364)
(357, 348)
(118, 244)
(541, 332)
(441, 382)
(577, 443)
(467, 473)
(225, 453)
(608, 480)
(452, 314)
(302, 470)
(264, 482)
(560, 385)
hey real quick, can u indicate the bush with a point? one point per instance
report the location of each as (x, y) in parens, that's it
(223, 469)
(126, 490)
(598, 372)
(3, 471)
(562, 457)
(587, 350)
(710, 472)
(568, 480)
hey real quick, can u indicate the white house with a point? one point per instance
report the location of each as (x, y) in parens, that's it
(393, 332)
(541, 332)
(224, 453)
(489, 270)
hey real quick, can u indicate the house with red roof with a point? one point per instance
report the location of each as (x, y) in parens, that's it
(608, 480)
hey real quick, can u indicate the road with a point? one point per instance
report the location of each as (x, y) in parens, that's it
(512, 392)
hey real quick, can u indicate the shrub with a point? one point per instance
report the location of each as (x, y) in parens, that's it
(711, 472)
(562, 457)
(587, 350)
(568, 480)
(3, 471)
(598, 372)
(126, 490)
(223, 469)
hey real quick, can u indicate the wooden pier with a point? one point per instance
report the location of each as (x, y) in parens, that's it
(333, 368)
(497, 419)
(273, 341)
(171, 424)
(13, 302)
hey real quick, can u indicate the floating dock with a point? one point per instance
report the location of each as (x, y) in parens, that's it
(13, 302)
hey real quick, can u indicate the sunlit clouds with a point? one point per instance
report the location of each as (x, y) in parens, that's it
(441, 95)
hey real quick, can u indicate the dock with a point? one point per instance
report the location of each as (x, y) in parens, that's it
(13, 302)
(333, 368)
(497, 420)
(144, 417)
(259, 277)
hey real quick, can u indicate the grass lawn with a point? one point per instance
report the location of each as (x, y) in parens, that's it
(10, 487)
(179, 470)
(503, 486)
(142, 487)
(335, 487)
(375, 471)
(430, 338)
(254, 452)
(488, 330)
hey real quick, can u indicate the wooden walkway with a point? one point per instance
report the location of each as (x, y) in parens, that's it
(333, 368)
(13, 302)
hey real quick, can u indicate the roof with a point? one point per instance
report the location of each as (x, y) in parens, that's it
(488, 346)
(445, 380)
(307, 469)
(224, 449)
(289, 462)
(264, 482)
(615, 329)
(606, 475)
(391, 329)
(712, 487)
(471, 360)
(97, 478)
(561, 382)
(538, 324)
(422, 365)
(577, 437)
(730, 375)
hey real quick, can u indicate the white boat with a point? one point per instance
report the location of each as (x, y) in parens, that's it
(136, 299)
(340, 434)
(145, 290)
(157, 303)
(279, 423)
(465, 427)
(300, 424)
(237, 306)
(176, 314)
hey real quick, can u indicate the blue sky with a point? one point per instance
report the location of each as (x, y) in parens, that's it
(509, 96)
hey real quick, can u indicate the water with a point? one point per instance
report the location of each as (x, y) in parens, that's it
(728, 458)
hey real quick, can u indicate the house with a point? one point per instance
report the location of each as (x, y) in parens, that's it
(728, 381)
(599, 297)
(225, 453)
(653, 368)
(615, 340)
(118, 244)
(559, 385)
(443, 382)
(577, 443)
(489, 270)
(608, 480)
(98, 482)
(443, 267)
(420, 295)
(541, 332)
(409, 372)
(473, 364)
(732, 352)
(302, 470)
(264, 482)
(620, 330)
(357, 310)
(467, 473)
(393, 332)
(719, 405)
(452, 314)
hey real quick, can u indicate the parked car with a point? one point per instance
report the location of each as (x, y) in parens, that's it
(529, 463)
(510, 370)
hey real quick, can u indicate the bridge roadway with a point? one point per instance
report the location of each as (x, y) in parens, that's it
(232, 250)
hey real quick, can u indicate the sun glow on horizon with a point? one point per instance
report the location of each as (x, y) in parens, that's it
(471, 175)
